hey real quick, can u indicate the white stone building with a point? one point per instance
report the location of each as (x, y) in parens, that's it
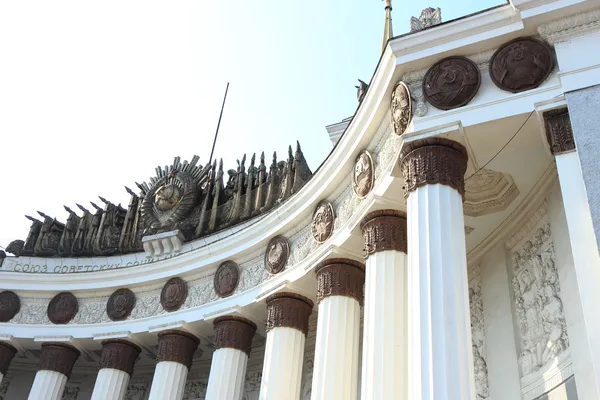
(463, 192)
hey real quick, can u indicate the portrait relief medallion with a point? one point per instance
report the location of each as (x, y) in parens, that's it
(521, 64)
(10, 304)
(278, 252)
(364, 174)
(401, 108)
(451, 83)
(226, 278)
(322, 222)
(173, 294)
(120, 304)
(62, 308)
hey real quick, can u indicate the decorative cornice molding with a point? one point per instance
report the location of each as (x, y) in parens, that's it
(559, 132)
(340, 277)
(119, 354)
(58, 357)
(434, 160)
(384, 230)
(288, 310)
(177, 346)
(234, 332)
(7, 353)
(528, 226)
(570, 27)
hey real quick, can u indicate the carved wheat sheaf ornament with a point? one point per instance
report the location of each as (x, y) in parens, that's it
(521, 64)
(323, 221)
(363, 175)
(401, 108)
(277, 254)
(451, 83)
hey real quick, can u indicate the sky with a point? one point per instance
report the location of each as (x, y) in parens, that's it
(95, 95)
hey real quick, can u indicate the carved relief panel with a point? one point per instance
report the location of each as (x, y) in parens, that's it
(538, 305)
(478, 339)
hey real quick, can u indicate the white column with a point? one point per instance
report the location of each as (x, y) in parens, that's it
(56, 364)
(287, 325)
(116, 366)
(7, 353)
(339, 291)
(384, 359)
(175, 353)
(584, 247)
(233, 342)
(439, 338)
(48, 385)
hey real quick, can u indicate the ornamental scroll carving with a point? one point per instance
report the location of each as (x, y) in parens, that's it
(62, 308)
(136, 391)
(384, 230)
(58, 357)
(537, 301)
(559, 131)
(478, 339)
(340, 277)
(434, 160)
(401, 108)
(234, 333)
(120, 304)
(521, 64)
(288, 310)
(451, 83)
(10, 304)
(195, 390)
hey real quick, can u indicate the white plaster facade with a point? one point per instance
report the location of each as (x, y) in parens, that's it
(532, 259)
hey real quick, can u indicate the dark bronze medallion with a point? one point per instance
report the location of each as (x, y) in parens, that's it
(120, 304)
(10, 304)
(451, 83)
(226, 278)
(173, 294)
(521, 64)
(63, 308)
(277, 254)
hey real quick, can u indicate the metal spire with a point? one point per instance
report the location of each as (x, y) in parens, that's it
(387, 28)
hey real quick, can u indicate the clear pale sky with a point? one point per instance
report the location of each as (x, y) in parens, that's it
(94, 95)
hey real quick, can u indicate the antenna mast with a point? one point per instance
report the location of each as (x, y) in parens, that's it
(218, 124)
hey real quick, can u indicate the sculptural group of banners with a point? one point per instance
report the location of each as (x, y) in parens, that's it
(186, 196)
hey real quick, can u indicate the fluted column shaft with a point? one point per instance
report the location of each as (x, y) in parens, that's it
(384, 362)
(116, 367)
(56, 364)
(287, 325)
(175, 352)
(233, 343)
(340, 293)
(7, 353)
(440, 353)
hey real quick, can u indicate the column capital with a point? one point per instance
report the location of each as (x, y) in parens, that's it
(289, 310)
(384, 230)
(7, 352)
(59, 357)
(119, 354)
(434, 160)
(234, 332)
(177, 346)
(559, 132)
(340, 277)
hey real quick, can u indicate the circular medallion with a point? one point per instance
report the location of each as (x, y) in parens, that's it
(10, 304)
(401, 108)
(120, 304)
(364, 174)
(167, 197)
(521, 64)
(322, 221)
(451, 83)
(277, 254)
(173, 294)
(226, 278)
(63, 308)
